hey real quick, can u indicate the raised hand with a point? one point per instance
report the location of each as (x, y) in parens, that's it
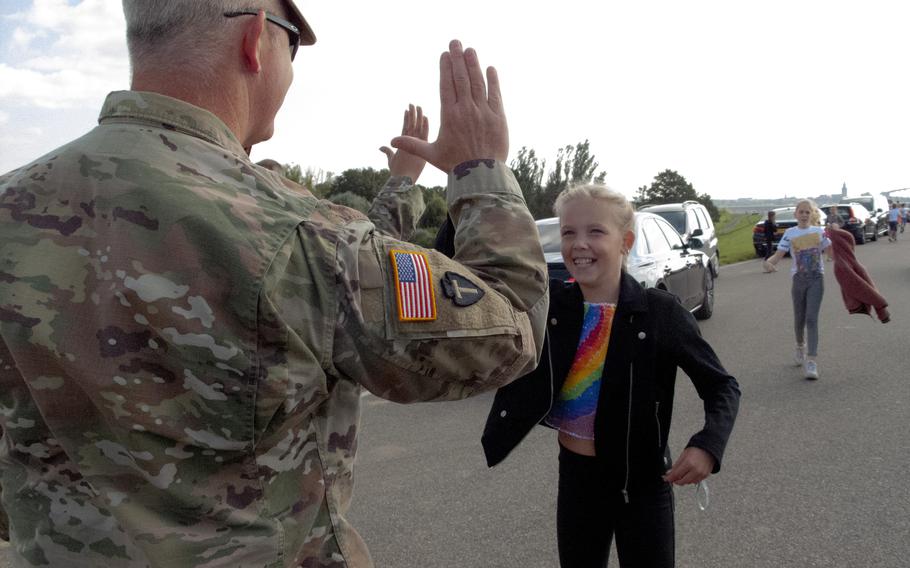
(472, 120)
(402, 162)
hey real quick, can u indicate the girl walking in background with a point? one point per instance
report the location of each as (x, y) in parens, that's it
(606, 384)
(805, 242)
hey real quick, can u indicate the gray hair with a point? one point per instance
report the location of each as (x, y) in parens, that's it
(180, 34)
(623, 213)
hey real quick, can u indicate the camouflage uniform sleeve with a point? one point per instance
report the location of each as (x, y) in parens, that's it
(489, 303)
(397, 208)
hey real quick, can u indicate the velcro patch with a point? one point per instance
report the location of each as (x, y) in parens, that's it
(413, 286)
(462, 291)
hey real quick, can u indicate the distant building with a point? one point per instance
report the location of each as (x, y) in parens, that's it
(843, 191)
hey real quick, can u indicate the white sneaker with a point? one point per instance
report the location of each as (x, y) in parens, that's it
(800, 357)
(811, 370)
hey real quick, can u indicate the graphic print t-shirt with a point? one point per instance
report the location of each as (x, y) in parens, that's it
(805, 246)
(575, 408)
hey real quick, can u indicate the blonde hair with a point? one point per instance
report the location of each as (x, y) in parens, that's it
(814, 217)
(623, 213)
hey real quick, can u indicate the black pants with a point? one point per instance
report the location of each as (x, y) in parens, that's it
(769, 248)
(587, 517)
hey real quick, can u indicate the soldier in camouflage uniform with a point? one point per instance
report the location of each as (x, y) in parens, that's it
(184, 340)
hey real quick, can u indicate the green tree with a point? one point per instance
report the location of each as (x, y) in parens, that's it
(670, 187)
(317, 181)
(365, 182)
(295, 174)
(351, 200)
(574, 164)
(437, 209)
(529, 170)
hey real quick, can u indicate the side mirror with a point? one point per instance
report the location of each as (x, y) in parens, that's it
(697, 233)
(879, 210)
(696, 243)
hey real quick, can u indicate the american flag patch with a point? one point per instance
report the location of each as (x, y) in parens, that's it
(413, 286)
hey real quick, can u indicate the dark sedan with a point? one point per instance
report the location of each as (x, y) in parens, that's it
(785, 217)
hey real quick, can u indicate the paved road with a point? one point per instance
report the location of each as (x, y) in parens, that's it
(815, 475)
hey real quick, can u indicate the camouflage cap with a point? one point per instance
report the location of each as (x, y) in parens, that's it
(307, 37)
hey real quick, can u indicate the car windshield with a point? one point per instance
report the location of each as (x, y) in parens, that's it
(867, 203)
(842, 210)
(785, 215)
(676, 218)
(549, 237)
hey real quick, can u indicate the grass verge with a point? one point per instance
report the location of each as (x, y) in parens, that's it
(734, 236)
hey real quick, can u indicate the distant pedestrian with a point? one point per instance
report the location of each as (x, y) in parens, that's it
(905, 216)
(607, 388)
(833, 218)
(770, 228)
(894, 215)
(805, 242)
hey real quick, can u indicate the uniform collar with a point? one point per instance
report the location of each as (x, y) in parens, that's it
(170, 113)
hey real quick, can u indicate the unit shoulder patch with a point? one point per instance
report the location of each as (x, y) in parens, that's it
(462, 291)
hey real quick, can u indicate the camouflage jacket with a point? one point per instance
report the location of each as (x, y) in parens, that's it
(184, 340)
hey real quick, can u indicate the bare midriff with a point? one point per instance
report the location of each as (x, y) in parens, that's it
(577, 445)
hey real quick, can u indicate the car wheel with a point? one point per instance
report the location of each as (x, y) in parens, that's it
(707, 305)
(874, 234)
(860, 237)
(715, 264)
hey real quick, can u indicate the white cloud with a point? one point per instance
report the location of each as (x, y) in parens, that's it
(744, 99)
(64, 56)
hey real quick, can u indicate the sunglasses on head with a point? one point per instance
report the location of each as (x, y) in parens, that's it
(293, 31)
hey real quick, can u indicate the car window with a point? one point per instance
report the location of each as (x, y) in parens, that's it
(865, 202)
(693, 222)
(657, 242)
(842, 210)
(672, 236)
(789, 215)
(549, 237)
(703, 218)
(676, 218)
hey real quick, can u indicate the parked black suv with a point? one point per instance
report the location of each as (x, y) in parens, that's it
(691, 219)
(857, 220)
(877, 205)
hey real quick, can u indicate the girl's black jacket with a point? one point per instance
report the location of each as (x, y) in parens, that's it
(652, 335)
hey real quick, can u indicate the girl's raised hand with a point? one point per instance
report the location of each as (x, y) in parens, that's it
(404, 163)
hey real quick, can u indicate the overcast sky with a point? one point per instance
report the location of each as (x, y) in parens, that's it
(744, 99)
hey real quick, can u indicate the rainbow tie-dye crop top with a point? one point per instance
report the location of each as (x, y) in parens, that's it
(576, 406)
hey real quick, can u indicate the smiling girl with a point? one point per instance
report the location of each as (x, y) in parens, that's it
(606, 384)
(805, 242)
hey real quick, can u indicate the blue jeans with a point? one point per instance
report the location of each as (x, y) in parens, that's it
(807, 292)
(588, 515)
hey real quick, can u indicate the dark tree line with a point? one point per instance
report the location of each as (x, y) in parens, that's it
(357, 187)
